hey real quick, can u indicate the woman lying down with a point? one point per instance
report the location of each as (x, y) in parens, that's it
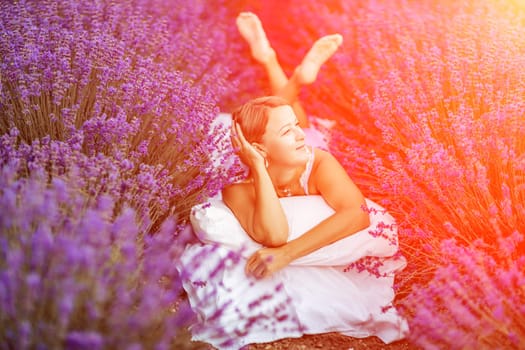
(282, 251)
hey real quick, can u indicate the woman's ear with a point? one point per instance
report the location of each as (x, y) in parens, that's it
(260, 148)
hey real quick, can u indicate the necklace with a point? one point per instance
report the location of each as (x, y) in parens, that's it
(287, 191)
(284, 191)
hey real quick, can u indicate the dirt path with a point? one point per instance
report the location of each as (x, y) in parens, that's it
(329, 341)
(332, 341)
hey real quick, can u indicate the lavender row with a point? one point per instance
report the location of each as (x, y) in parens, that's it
(105, 131)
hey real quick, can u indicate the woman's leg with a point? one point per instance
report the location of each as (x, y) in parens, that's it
(251, 29)
(306, 72)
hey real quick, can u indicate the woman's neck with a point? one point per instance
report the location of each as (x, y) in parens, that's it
(284, 179)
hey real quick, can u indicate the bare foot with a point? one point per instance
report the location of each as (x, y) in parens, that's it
(252, 31)
(318, 54)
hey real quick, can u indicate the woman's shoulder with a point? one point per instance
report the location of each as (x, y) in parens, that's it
(240, 185)
(239, 190)
(321, 156)
(318, 152)
(324, 164)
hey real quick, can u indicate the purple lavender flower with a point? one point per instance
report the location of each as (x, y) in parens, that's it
(105, 114)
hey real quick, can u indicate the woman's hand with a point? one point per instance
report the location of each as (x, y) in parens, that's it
(246, 151)
(266, 261)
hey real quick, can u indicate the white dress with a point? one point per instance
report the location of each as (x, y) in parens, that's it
(329, 290)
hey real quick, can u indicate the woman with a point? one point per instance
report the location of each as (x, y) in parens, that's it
(300, 220)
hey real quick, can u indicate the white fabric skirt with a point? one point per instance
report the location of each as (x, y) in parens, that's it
(316, 294)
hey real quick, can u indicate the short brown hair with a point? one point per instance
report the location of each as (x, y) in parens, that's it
(253, 116)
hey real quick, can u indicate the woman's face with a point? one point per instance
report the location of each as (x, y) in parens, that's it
(283, 139)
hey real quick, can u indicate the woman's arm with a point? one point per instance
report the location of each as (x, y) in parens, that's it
(257, 207)
(333, 183)
(258, 210)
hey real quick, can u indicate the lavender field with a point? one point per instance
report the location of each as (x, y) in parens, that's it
(106, 142)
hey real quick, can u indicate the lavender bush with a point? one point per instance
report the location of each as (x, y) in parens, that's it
(105, 121)
(125, 83)
(72, 274)
(475, 298)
